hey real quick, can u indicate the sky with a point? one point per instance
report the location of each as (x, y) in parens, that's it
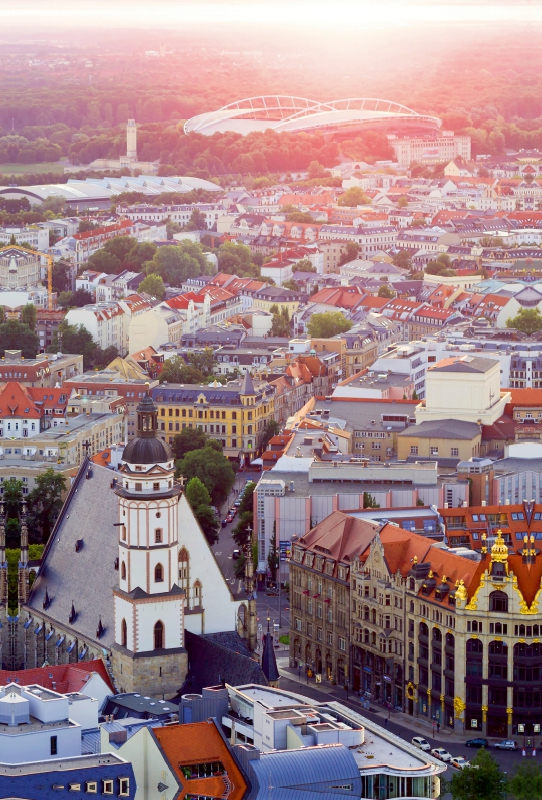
(303, 13)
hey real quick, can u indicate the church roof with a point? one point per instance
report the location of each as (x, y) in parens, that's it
(85, 577)
(214, 657)
(247, 386)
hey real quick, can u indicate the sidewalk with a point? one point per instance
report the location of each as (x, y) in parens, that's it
(412, 724)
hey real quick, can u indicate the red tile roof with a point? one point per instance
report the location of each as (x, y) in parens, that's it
(66, 677)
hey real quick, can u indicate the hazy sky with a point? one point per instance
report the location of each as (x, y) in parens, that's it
(303, 13)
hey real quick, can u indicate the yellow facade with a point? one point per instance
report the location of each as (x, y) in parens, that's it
(291, 305)
(437, 447)
(238, 425)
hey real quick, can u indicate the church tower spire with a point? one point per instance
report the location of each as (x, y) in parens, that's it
(23, 559)
(3, 562)
(148, 654)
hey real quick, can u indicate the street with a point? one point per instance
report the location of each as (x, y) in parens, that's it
(398, 724)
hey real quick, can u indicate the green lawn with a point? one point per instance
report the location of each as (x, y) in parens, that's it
(20, 169)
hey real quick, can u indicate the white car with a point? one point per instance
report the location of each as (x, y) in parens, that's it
(421, 743)
(459, 762)
(440, 752)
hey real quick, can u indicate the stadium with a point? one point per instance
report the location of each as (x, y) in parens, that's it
(300, 115)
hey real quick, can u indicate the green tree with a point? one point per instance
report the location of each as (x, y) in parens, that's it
(527, 320)
(176, 263)
(403, 259)
(82, 297)
(402, 202)
(189, 439)
(280, 325)
(299, 216)
(2, 314)
(15, 335)
(120, 246)
(248, 499)
(327, 325)
(65, 300)
(204, 361)
(73, 339)
(354, 197)
(199, 500)
(197, 221)
(482, 780)
(273, 557)
(272, 428)
(350, 253)
(61, 281)
(525, 783)
(153, 285)
(103, 261)
(305, 265)
(386, 291)
(369, 501)
(28, 315)
(44, 504)
(316, 170)
(291, 284)
(86, 225)
(140, 254)
(242, 533)
(171, 228)
(176, 370)
(212, 468)
(236, 259)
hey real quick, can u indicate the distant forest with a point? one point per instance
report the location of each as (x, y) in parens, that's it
(487, 89)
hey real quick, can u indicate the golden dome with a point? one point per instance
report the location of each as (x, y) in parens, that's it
(499, 550)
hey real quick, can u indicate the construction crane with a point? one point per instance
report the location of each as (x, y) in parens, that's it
(49, 260)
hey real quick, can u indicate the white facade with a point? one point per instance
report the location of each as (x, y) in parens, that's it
(107, 323)
(163, 324)
(37, 237)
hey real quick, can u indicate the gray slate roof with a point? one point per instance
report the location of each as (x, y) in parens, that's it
(467, 364)
(87, 577)
(443, 429)
(308, 773)
(217, 657)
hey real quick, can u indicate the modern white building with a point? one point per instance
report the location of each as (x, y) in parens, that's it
(37, 724)
(33, 235)
(166, 322)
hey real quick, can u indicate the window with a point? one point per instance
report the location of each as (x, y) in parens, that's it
(124, 633)
(158, 535)
(329, 638)
(413, 451)
(342, 643)
(139, 487)
(433, 451)
(159, 635)
(124, 787)
(91, 787)
(156, 487)
(158, 573)
(54, 745)
(454, 451)
(107, 787)
(498, 601)
(123, 571)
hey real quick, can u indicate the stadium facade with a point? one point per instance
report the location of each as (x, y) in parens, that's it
(282, 113)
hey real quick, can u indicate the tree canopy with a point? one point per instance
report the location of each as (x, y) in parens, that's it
(15, 335)
(176, 370)
(327, 325)
(153, 285)
(527, 320)
(212, 468)
(44, 504)
(199, 500)
(482, 780)
(355, 196)
(73, 339)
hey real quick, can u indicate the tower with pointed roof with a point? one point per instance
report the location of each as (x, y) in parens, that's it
(269, 661)
(148, 655)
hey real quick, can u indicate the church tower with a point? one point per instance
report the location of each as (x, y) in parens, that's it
(149, 654)
(131, 140)
(23, 561)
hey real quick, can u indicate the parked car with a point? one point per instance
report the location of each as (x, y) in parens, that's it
(479, 742)
(506, 744)
(224, 522)
(421, 743)
(459, 762)
(235, 555)
(237, 503)
(440, 752)
(229, 518)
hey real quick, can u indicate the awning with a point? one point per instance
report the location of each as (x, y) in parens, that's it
(256, 463)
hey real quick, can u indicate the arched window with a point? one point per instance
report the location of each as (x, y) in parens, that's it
(450, 641)
(373, 638)
(124, 633)
(158, 573)
(159, 635)
(197, 593)
(475, 646)
(498, 648)
(437, 635)
(424, 630)
(183, 569)
(373, 616)
(158, 536)
(522, 630)
(498, 601)
(123, 571)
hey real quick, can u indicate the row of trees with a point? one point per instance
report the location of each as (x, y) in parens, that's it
(484, 780)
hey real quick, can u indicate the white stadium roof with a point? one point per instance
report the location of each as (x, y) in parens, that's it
(296, 114)
(104, 189)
